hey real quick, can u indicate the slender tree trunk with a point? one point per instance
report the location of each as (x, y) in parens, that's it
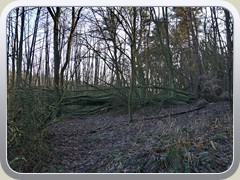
(55, 16)
(168, 53)
(133, 72)
(47, 69)
(20, 53)
(229, 25)
(32, 48)
(195, 51)
(222, 64)
(96, 69)
(69, 43)
(8, 50)
(14, 49)
(38, 75)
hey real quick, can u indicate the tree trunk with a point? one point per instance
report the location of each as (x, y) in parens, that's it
(168, 53)
(47, 70)
(195, 51)
(30, 55)
(133, 59)
(69, 43)
(15, 47)
(229, 25)
(55, 16)
(19, 59)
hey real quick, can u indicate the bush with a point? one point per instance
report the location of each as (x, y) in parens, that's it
(29, 112)
(210, 88)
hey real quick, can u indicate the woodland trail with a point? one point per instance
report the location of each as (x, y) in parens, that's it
(157, 141)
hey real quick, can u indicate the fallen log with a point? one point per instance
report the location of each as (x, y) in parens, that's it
(173, 114)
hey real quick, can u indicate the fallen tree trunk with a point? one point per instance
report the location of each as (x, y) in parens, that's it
(173, 114)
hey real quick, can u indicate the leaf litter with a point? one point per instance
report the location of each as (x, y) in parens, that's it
(160, 140)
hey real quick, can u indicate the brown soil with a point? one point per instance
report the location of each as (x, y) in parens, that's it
(172, 138)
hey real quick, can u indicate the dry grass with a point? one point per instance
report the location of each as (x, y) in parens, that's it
(199, 141)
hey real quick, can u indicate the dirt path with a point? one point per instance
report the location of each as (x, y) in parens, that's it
(197, 141)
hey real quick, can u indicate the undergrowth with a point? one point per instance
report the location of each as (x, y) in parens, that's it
(29, 112)
(176, 149)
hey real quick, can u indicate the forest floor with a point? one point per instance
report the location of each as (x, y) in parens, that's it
(162, 139)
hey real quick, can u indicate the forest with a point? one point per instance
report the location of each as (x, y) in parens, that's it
(119, 89)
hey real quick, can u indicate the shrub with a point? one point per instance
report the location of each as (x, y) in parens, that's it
(29, 112)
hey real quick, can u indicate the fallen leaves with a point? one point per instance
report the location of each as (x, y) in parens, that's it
(106, 143)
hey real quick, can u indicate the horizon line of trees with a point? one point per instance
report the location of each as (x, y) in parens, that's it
(142, 48)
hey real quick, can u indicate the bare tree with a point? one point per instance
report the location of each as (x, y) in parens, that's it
(31, 52)
(20, 52)
(229, 32)
(15, 48)
(69, 41)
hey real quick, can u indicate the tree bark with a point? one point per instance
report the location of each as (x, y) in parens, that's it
(229, 25)
(133, 72)
(15, 48)
(56, 16)
(195, 47)
(69, 43)
(31, 52)
(20, 53)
